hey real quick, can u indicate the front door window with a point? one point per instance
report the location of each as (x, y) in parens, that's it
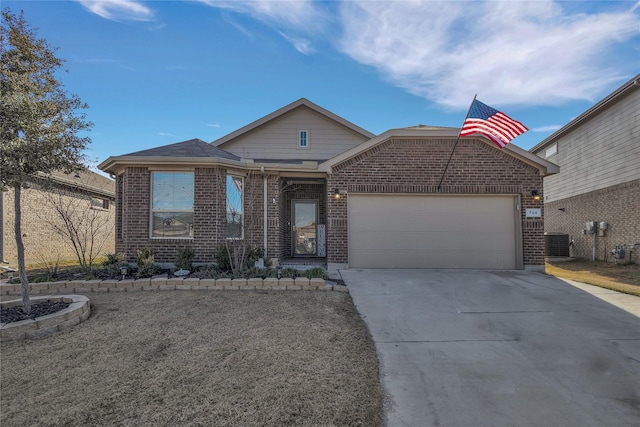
(305, 220)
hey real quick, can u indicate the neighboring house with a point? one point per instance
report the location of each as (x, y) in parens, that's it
(599, 181)
(304, 183)
(86, 195)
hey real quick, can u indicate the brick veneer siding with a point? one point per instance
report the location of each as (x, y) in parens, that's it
(618, 205)
(415, 166)
(274, 246)
(41, 243)
(133, 187)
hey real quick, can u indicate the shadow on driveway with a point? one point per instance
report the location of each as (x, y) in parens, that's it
(500, 348)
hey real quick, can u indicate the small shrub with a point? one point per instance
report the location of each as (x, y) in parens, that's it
(316, 273)
(185, 258)
(144, 256)
(253, 272)
(234, 248)
(289, 273)
(146, 263)
(113, 259)
(147, 270)
(222, 257)
(255, 253)
(271, 272)
(111, 267)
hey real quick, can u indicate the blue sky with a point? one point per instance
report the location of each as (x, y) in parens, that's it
(159, 72)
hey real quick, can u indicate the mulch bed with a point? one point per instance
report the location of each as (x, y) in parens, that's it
(16, 313)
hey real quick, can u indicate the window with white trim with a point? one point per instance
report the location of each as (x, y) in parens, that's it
(172, 200)
(235, 214)
(303, 139)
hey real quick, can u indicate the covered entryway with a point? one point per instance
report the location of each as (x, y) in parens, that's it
(432, 231)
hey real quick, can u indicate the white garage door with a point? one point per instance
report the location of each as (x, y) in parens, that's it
(405, 231)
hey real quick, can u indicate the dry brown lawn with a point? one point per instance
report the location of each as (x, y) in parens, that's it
(223, 358)
(619, 277)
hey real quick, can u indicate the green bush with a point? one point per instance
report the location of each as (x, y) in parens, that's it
(146, 263)
(316, 273)
(144, 256)
(185, 258)
(289, 273)
(113, 259)
(251, 255)
(221, 257)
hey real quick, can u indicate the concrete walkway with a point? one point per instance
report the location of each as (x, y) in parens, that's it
(509, 348)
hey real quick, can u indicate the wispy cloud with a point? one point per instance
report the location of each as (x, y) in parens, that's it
(213, 125)
(301, 44)
(291, 13)
(295, 20)
(530, 52)
(550, 128)
(166, 134)
(119, 10)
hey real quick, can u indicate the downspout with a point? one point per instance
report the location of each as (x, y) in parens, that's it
(264, 213)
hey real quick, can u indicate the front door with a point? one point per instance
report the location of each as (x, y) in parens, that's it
(305, 221)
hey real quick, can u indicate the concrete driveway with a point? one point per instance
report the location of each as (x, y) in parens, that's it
(509, 348)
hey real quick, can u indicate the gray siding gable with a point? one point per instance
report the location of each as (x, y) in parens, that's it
(276, 135)
(598, 153)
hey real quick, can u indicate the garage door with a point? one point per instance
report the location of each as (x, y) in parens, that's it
(405, 231)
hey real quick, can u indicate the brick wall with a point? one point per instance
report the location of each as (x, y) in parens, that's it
(133, 186)
(409, 165)
(41, 243)
(209, 219)
(618, 205)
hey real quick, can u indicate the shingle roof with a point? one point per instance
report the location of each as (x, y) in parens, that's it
(428, 127)
(191, 148)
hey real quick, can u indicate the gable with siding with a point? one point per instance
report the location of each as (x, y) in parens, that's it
(276, 136)
(599, 153)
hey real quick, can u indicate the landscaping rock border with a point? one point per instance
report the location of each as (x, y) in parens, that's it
(172, 283)
(78, 311)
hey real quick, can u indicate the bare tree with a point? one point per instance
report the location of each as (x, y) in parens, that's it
(80, 220)
(242, 220)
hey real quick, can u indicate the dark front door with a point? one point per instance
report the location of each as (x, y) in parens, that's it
(304, 232)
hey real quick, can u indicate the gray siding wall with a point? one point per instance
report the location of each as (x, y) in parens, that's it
(279, 138)
(603, 152)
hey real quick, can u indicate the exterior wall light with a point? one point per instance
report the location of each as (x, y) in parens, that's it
(535, 195)
(336, 193)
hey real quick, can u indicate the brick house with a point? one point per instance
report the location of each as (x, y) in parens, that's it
(91, 194)
(599, 181)
(304, 183)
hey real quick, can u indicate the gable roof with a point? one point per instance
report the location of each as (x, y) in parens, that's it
(422, 131)
(302, 102)
(85, 180)
(622, 91)
(190, 148)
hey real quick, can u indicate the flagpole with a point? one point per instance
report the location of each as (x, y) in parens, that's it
(456, 143)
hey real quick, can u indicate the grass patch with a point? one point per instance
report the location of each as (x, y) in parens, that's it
(617, 277)
(219, 358)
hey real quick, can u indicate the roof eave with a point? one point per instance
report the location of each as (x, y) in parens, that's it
(115, 165)
(625, 89)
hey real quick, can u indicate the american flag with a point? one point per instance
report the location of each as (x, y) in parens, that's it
(491, 123)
